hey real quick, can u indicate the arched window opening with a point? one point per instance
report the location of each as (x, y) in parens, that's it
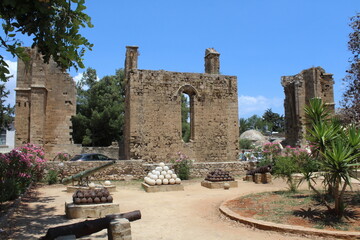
(186, 117)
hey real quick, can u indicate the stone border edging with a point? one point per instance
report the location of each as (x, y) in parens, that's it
(263, 225)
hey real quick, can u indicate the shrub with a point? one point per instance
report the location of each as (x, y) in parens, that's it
(245, 144)
(271, 150)
(18, 169)
(52, 176)
(62, 157)
(182, 166)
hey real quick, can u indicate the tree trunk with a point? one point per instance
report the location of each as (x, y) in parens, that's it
(89, 226)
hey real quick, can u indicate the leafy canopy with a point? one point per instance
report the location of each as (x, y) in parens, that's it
(351, 96)
(53, 26)
(100, 109)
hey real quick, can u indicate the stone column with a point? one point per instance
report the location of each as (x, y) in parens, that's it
(131, 58)
(212, 61)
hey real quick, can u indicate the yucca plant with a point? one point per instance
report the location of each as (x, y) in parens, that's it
(339, 159)
(336, 151)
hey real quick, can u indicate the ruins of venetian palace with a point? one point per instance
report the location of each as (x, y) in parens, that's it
(46, 100)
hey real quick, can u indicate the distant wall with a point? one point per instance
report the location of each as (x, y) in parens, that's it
(138, 169)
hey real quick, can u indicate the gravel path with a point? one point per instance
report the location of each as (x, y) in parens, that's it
(182, 215)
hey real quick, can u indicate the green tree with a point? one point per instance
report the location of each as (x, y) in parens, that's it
(100, 109)
(351, 96)
(185, 117)
(6, 112)
(256, 123)
(53, 26)
(244, 125)
(274, 121)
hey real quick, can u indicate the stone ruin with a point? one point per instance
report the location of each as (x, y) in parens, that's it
(153, 112)
(45, 102)
(299, 89)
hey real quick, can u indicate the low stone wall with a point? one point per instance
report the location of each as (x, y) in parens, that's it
(137, 169)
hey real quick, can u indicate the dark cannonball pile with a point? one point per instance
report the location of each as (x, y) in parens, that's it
(219, 176)
(92, 196)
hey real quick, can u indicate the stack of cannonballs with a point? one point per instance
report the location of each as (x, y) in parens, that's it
(162, 175)
(219, 176)
(92, 196)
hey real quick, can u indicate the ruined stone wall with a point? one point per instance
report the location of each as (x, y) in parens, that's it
(45, 102)
(153, 114)
(299, 89)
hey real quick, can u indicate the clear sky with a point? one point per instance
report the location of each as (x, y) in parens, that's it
(259, 41)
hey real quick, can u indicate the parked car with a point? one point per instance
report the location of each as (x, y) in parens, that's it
(90, 157)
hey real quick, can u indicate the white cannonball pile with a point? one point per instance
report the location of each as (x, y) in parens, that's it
(162, 175)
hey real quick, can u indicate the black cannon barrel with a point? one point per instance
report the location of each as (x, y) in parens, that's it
(86, 172)
(263, 169)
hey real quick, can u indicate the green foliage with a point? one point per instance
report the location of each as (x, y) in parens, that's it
(185, 115)
(6, 112)
(284, 167)
(337, 149)
(53, 26)
(270, 121)
(52, 177)
(245, 144)
(100, 109)
(244, 125)
(351, 95)
(274, 121)
(182, 166)
(256, 123)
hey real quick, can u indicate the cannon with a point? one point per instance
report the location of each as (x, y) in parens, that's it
(88, 227)
(83, 177)
(263, 169)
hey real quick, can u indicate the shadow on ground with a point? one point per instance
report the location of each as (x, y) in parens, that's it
(23, 226)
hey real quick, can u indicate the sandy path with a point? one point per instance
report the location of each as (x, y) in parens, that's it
(183, 215)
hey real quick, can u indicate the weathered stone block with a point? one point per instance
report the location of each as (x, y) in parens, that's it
(257, 177)
(90, 210)
(217, 185)
(119, 229)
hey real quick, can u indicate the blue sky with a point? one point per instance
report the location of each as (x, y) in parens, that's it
(259, 41)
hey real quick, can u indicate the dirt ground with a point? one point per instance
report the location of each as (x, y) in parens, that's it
(181, 215)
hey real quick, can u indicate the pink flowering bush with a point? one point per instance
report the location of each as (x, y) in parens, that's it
(182, 166)
(19, 168)
(271, 150)
(62, 157)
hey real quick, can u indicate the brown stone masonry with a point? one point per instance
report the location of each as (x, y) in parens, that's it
(299, 89)
(45, 102)
(153, 112)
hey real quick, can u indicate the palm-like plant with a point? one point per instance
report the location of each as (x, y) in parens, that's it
(322, 134)
(339, 159)
(336, 150)
(316, 111)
